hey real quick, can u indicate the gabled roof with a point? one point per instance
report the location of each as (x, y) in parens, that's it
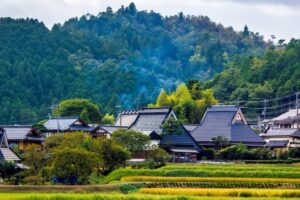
(287, 115)
(18, 132)
(64, 124)
(222, 120)
(126, 118)
(293, 132)
(151, 119)
(8, 155)
(181, 139)
(243, 133)
(5, 152)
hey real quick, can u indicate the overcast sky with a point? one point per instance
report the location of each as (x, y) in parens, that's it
(278, 17)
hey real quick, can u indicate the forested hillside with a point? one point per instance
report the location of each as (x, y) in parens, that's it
(251, 79)
(117, 57)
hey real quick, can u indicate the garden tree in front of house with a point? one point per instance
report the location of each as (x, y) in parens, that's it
(171, 126)
(131, 140)
(220, 141)
(73, 165)
(8, 169)
(83, 108)
(73, 156)
(34, 158)
(189, 104)
(109, 154)
(157, 157)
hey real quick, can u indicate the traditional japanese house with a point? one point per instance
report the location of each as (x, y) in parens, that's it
(5, 152)
(181, 145)
(66, 124)
(227, 121)
(283, 131)
(22, 136)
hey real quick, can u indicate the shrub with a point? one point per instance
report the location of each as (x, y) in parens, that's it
(294, 152)
(208, 153)
(128, 188)
(234, 152)
(157, 157)
(34, 180)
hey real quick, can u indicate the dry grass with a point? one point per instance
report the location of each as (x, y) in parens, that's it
(210, 192)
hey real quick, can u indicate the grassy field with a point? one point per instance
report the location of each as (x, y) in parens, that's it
(178, 181)
(287, 171)
(211, 192)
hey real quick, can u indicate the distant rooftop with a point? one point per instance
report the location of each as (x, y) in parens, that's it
(287, 115)
(61, 123)
(223, 108)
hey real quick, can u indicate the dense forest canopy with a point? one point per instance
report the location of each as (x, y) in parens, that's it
(274, 76)
(121, 57)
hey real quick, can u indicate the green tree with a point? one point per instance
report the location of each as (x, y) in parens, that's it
(109, 154)
(34, 159)
(189, 103)
(108, 119)
(8, 169)
(79, 107)
(131, 140)
(74, 165)
(220, 142)
(157, 157)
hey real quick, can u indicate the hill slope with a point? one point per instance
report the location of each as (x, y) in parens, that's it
(121, 57)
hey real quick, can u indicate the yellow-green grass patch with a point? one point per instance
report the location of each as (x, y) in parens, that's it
(210, 192)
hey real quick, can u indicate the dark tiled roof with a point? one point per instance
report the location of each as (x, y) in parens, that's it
(181, 139)
(242, 132)
(81, 128)
(218, 120)
(223, 108)
(283, 132)
(214, 124)
(277, 143)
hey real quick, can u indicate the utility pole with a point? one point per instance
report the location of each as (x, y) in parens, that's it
(119, 111)
(297, 109)
(58, 113)
(265, 109)
(259, 124)
(53, 106)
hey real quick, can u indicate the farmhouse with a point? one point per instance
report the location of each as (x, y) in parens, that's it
(283, 131)
(22, 136)
(180, 144)
(227, 121)
(65, 124)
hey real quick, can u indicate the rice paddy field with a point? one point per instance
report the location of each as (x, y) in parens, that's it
(178, 181)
